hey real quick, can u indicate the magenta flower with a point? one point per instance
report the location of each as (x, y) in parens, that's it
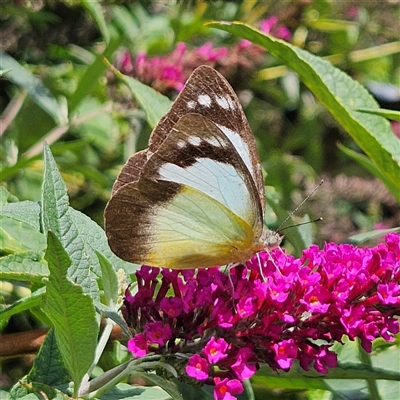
(172, 306)
(138, 345)
(273, 309)
(158, 333)
(225, 388)
(270, 26)
(215, 350)
(169, 73)
(209, 53)
(389, 293)
(285, 353)
(197, 367)
(241, 367)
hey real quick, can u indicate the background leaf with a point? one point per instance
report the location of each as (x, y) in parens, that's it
(154, 104)
(57, 219)
(94, 8)
(71, 312)
(35, 88)
(340, 94)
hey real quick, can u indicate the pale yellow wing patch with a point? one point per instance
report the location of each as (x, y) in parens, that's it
(196, 230)
(174, 226)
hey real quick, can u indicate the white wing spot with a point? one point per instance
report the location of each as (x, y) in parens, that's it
(232, 104)
(194, 140)
(222, 101)
(191, 104)
(204, 100)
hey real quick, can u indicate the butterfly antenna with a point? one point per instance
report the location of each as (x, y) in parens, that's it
(297, 208)
(302, 223)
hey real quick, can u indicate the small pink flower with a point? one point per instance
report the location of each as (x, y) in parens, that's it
(158, 333)
(242, 369)
(197, 367)
(225, 388)
(352, 319)
(209, 53)
(317, 299)
(126, 63)
(138, 345)
(270, 26)
(172, 306)
(285, 352)
(215, 350)
(246, 306)
(389, 293)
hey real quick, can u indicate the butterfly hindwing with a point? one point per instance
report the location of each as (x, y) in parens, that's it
(174, 226)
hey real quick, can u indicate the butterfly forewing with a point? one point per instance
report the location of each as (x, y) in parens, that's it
(207, 93)
(131, 170)
(195, 197)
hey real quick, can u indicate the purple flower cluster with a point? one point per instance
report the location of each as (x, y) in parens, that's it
(271, 310)
(170, 72)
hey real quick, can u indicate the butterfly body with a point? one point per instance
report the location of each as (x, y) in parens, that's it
(195, 197)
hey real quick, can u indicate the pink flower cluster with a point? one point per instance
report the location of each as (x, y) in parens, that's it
(271, 310)
(171, 71)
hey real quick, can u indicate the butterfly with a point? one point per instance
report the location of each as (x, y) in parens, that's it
(195, 197)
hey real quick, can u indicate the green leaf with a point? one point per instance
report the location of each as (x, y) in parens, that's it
(23, 211)
(91, 77)
(163, 383)
(340, 94)
(24, 267)
(17, 236)
(57, 148)
(57, 218)
(26, 303)
(34, 87)
(109, 280)
(114, 316)
(94, 239)
(305, 231)
(6, 197)
(389, 114)
(367, 236)
(101, 129)
(48, 367)
(125, 22)
(123, 391)
(154, 104)
(71, 312)
(4, 71)
(94, 8)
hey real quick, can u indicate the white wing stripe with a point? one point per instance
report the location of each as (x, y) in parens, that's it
(220, 181)
(240, 146)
